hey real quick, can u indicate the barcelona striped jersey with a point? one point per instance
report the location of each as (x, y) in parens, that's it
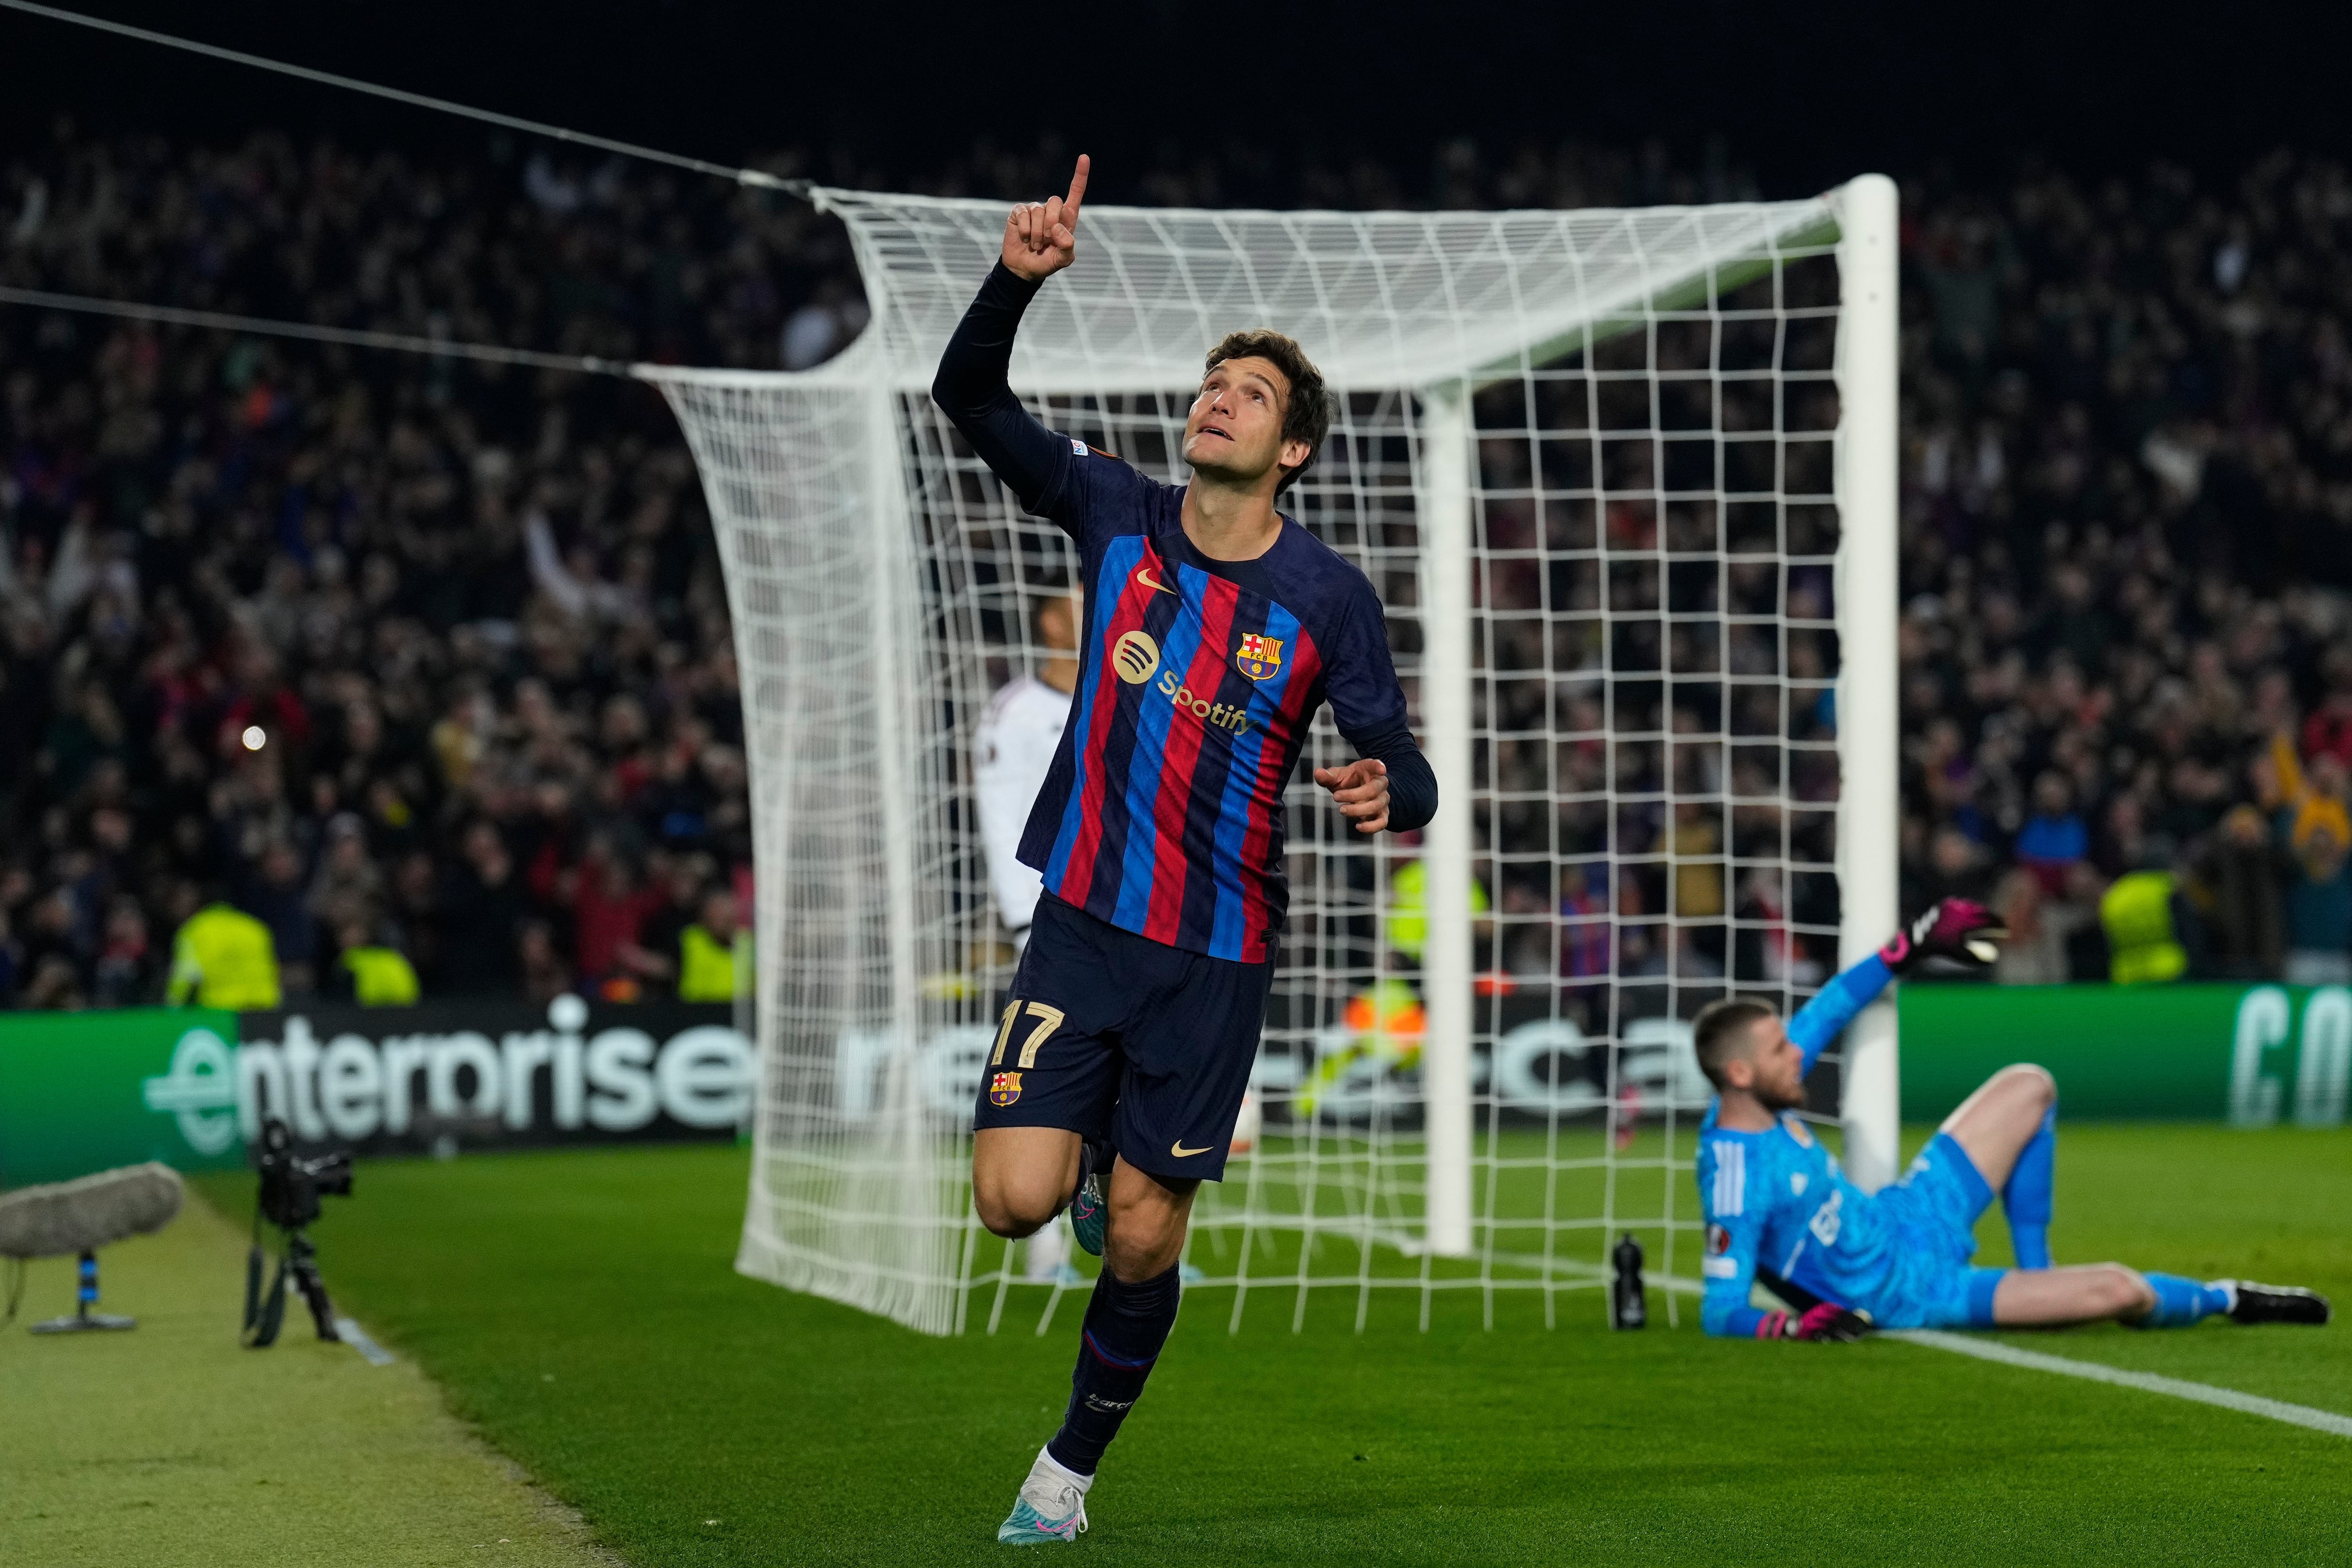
(1163, 812)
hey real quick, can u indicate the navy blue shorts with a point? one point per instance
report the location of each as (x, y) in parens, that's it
(1109, 1033)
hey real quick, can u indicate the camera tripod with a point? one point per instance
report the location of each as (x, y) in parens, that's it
(264, 1316)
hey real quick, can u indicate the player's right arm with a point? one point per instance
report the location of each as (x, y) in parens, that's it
(973, 388)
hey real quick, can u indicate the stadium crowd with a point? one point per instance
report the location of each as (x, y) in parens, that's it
(410, 656)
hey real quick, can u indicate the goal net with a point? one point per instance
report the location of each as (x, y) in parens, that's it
(1624, 481)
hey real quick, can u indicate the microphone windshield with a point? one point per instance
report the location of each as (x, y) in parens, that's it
(68, 1217)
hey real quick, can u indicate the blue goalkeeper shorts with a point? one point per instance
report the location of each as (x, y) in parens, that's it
(1936, 1205)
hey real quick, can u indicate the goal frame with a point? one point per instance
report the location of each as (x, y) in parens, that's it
(777, 481)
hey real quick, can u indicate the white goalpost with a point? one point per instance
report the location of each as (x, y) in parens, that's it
(1625, 481)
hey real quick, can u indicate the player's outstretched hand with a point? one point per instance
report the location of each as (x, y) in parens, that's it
(1041, 238)
(1958, 929)
(1827, 1323)
(1362, 788)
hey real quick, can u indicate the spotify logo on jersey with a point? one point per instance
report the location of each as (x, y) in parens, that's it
(1135, 657)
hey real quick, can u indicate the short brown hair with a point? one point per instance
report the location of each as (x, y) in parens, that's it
(1716, 1032)
(1308, 417)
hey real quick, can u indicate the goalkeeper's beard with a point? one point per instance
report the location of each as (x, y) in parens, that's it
(1777, 1098)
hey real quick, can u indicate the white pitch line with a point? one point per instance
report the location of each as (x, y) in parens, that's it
(356, 1337)
(2146, 1381)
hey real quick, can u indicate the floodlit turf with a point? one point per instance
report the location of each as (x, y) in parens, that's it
(168, 1447)
(581, 1309)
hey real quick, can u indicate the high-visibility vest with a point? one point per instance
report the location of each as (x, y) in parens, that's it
(1408, 919)
(2142, 947)
(381, 976)
(706, 967)
(224, 958)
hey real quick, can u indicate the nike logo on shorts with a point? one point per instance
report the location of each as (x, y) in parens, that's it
(1143, 575)
(1181, 1152)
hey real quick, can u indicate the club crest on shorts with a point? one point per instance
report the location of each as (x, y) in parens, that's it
(1004, 1089)
(1259, 657)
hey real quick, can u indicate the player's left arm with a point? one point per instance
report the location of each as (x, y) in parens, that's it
(1957, 929)
(1389, 786)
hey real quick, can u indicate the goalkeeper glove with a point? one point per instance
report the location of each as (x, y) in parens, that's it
(1825, 1323)
(1958, 929)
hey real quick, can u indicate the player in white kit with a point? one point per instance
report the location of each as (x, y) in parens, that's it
(1011, 748)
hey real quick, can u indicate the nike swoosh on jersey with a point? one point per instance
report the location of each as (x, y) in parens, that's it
(1181, 1152)
(1143, 575)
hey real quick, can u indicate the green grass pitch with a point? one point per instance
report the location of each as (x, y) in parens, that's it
(580, 1309)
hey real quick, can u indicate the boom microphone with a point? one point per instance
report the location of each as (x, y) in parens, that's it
(85, 1214)
(81, 1216)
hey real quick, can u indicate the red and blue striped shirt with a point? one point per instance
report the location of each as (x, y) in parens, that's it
(1163, 812)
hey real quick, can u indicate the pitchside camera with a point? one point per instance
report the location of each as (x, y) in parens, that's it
(292, 1187)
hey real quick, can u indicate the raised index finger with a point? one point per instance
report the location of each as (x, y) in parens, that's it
(1077, 192)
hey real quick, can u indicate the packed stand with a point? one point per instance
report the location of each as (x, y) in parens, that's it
(409, 656)
(424, 666)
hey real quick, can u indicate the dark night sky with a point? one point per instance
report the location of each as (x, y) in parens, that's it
(1805, 95)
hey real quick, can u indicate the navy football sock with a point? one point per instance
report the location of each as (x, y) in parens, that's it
(2027, 1197)
(1125, 1327)
(2180, 1302)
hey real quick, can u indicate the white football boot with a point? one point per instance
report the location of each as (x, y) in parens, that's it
(1052, 1506)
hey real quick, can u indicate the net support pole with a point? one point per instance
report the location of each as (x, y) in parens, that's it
(1869, 804)
(1444, 505)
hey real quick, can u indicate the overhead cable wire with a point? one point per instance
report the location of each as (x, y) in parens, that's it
(173, 315)
(759, 178)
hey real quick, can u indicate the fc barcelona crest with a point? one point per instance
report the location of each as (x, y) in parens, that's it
(1260, 657)
(1004, 1089)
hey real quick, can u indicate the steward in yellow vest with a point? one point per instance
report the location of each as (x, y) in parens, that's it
(706, 952)
(2142, 946)
(1408, 916)
(381, 976)
(223, 957)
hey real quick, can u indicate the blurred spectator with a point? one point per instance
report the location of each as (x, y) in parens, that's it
(278, 899)
(2143, 940)
(610, 909)
(654, 958)
(2053, 837)
(482, 905)
(2319, 910)
(708, 952)
(125, 974)
(545, 975)
(2235, 884)
(222, 957)
(369, 971)
(2039, 927)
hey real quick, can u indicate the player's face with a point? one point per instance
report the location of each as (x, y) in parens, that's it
(1235, 429)
(1778, 1066)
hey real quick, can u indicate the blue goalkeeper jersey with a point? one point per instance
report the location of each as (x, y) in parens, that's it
(1778, 1198)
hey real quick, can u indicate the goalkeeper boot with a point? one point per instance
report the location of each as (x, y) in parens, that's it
(2253, 1304)
(1090, 1207)
(1052, 1506)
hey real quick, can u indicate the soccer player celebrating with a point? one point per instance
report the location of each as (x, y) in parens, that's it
(1214, 628)
(1779, 1208)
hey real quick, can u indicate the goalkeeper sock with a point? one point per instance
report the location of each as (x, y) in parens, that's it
(2180, 1302)
(2027, 1197)
(1125, 1327)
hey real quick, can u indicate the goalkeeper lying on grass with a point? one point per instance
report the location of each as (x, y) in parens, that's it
(1779, 1208)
